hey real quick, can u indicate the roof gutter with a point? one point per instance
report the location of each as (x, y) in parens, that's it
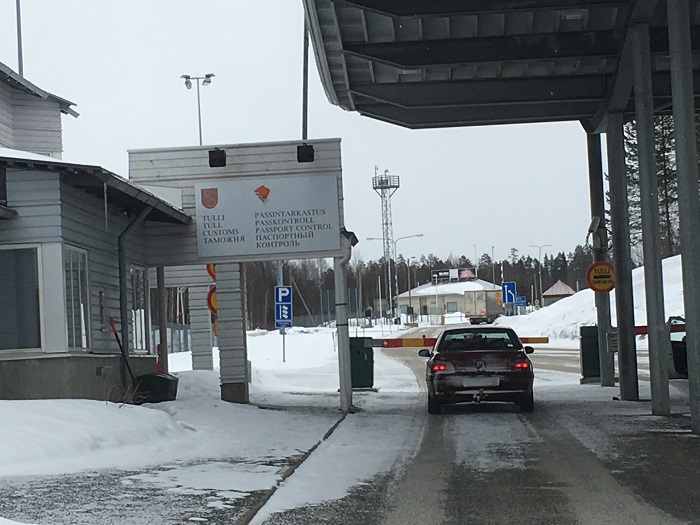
(123, 285)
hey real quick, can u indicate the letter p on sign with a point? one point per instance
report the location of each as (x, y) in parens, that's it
(283, 294)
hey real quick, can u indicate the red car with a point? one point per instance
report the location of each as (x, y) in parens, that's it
(475, 364)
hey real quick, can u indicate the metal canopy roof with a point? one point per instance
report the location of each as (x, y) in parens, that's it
(441, 63)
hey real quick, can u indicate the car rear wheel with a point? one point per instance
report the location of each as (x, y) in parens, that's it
(527, 403)
(434, 405)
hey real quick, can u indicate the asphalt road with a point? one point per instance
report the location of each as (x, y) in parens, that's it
(574, 460)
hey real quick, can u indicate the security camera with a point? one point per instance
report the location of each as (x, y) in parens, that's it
(595, 221)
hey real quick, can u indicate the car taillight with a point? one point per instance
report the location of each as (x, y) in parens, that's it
(438, 367)
(521, 365)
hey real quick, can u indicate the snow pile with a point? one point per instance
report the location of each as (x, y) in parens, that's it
(563, 319)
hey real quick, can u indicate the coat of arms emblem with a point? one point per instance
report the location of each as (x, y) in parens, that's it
(263, 192)
(210, 197)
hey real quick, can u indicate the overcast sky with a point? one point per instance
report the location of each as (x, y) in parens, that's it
(121, 61)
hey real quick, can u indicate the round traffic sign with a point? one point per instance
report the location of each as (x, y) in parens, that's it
(601, 276)
(211, 270)
(211, 299)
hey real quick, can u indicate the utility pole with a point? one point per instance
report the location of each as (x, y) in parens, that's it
(20, 59)
(539, 263)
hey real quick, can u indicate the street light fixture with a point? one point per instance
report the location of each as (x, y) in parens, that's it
(206, 80)
(539, 263)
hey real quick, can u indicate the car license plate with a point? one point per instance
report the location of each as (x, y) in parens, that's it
(481, 381)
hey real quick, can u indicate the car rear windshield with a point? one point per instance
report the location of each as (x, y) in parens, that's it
(492, 339)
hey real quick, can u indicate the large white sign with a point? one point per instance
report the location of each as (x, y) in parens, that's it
(268, 215)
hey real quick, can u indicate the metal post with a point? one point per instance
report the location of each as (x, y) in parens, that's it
(476, 264)
(600, 244)
(379, 288)
(279, 266)
(199, 113)
(305, 84)
(493, 266)
(390, 295)
(20, 59)
(688, 194)
(659, 341)
(162, 318)
(409, 316)
(341, 323)
(627, 356)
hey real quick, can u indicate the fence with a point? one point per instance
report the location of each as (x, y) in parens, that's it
(178, 337)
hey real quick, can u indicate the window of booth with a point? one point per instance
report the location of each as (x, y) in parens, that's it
(139, 307)
(75, 271)
(20, 322)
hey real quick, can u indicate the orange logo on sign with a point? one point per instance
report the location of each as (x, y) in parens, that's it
(210, 197)
(263, 192)
(601, 277)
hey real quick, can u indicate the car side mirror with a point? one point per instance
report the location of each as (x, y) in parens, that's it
(529, 350)
(424, 352)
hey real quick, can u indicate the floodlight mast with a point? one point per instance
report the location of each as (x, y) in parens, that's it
(386, 185)
(206, 80)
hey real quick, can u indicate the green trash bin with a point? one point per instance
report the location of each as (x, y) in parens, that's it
(590, 358)
(361, 362)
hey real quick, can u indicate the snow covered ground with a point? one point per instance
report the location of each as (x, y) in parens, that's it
(188, 438)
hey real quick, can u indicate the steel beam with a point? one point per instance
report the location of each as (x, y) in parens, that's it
(420, 54)
(624, 299)
(486, 92)
(600, 245)
(659, 340)
(413, 8)
(688, 192)
(475, 116)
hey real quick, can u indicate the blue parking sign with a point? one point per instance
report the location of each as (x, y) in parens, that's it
(283, 294)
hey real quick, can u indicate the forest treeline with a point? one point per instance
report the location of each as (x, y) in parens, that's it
(312, 280)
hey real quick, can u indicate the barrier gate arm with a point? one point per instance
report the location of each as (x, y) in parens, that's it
(423, 342)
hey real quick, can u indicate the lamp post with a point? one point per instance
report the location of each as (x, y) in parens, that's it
(493, 265)
(206, 80)
(410, 300)
(539, 262)
(390, 298)
(476, 264)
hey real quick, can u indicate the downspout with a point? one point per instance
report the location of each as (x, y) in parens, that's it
(123, 285)
(347, 241)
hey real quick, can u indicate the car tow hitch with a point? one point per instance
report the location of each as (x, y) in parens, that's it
(479, 397)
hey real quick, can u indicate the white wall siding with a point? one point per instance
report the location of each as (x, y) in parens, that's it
(6, 137)
(233, 350)
(35, 196)
(84, 227)
(36, 124)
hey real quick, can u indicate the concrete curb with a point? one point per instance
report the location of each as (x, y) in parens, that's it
(253, 511)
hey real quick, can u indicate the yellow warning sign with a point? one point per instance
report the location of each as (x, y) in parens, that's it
(601, 277)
